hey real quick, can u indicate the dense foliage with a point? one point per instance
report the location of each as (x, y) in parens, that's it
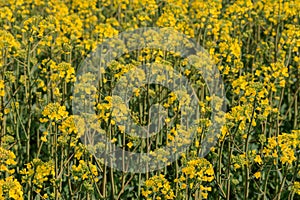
(256, 47)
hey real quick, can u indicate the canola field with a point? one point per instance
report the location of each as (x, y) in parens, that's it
(149, 99)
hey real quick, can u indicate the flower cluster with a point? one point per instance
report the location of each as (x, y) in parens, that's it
(38, 174)
(158, 187)
(10, 187)
(194, 175)
(284, 147)
(55, 112)
(7, 159)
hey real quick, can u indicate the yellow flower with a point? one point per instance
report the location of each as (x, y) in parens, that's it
(296, 187)
(204, 195)
(236, 49)
(113, 140)
(257, 175)
(129, 144)
(2, 92)
(84, 176)
(258, 159)
(282, 83)
(44, 138)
